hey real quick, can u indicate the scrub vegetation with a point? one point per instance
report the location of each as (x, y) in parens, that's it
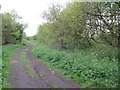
(89, 69)
(79, 40)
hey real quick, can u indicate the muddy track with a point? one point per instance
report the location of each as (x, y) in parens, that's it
(18, 77)
(45, 77)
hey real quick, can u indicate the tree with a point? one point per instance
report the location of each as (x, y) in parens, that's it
(12, 29)
(81, 25)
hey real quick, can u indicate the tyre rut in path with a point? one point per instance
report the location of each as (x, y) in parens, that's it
(46, 78)
(50, 77)
(18, 76)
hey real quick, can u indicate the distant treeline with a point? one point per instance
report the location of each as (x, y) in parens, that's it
(80, 25)
(12, 28)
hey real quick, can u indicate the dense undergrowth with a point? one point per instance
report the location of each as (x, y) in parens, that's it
(92, 67)
(8, 53)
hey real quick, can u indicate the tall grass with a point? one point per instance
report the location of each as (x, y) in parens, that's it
(92, 67)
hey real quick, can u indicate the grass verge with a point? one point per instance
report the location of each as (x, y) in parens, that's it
(8, 53)
(90, 68)
(26, 62)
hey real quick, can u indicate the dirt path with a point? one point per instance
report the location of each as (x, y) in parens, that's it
(19, 77)
(46, 78)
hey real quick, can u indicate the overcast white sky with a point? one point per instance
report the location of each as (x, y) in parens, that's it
(30, 11)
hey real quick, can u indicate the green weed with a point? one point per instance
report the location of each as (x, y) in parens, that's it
(41, 74)
(8, 52)
(88, 67)
(26, 62)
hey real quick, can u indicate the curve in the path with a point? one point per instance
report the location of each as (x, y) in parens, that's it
(46, 78)
(50, 77)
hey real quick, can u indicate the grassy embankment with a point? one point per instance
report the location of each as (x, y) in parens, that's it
(8, 53)
(92, 67)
